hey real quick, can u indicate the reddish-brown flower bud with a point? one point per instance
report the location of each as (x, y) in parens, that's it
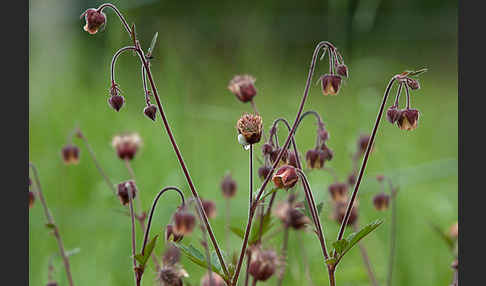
(126, 145)
(263, 172)
(340, 211)
(70, 154)
(342, 70)
(31, 199)
(286, 177)
(150, 111)
(392, 114)
(413, 83)
(212, 279)
(243, 86)
(315, 159)
(263, 263)
(363, 143)
(170, 235)
(330, 84)
(381, 201)
(250, 126)
(274, 155)
(339, 192)
(298, 219)
(171, 255)
(292, 159)
(171, 275)
(352, 179)
(95, 20)
(327, 153)
(184, 221)
(228, 186)
(408, 119)
(290, 215)
(123, 189)
(209, 208)
(116, 101)
(454, 231)
(267, 149)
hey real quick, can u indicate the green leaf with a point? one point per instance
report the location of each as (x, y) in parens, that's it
(344, 245)
(152, 44)
(255, 230)
(198, 258)
(269, 193)
(143, 258)
(238, 231)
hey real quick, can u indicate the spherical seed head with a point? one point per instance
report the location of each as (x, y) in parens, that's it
(228, 186)
(123, 189)
(263, 263)
(116, 101)
(286, 177)
(212, 280)
(209, 208)
(243, 86)
(250, 126)
(171, 275)
(330, 84)
(94, 21)
(408, 119)
(31, 199)
(126, 145)
(150, 111)
(340, 211)
(70, 154)
(170, 235)
(263, 172)
(292, 159)
(454, 231)
(315, 159)
(392, 114)
(413, 83)
(267, 149)
(339, 192)
(381, 201)
(342, 70)
(363, 143)
(184, 221)
(171, 255)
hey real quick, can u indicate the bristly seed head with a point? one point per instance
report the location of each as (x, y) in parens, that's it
(70, 154)
(127, 145)
(263, 263)
(243, 86)
(408, 119)
(251, 127)
(150, 111)
(123, 189)
(381, 201)
(95, 20)
(228, 186)
(330, 84)
(286, 177)
(171, 275)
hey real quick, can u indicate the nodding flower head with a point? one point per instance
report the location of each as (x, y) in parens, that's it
(170, 235)
(171, 255)
(95, 20)
(31, 199)
(454, 231)
(291, 216)
(267, 149)
(184, 221)
(340, 211)
(212, 279)
(326, 153)
(70, 154)
(392, 114)
(381, 201)
(126, 145)
(243, 86)
(171, 275)
(283, 159)
(363, 143)
(408, 119)
(250, 127)
(342, 70)
(123, 189)
(286, 177)
(315, 159)
(209, 208)
(292, 159)
(339, 192)
(228, 186)
(412, 83)
(263, 263)
(263, 172)
(323, 134)
(150, 111)
(116, 101)
(330, 84)
(352, 179)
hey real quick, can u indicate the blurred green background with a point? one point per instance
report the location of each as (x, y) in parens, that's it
(201, 46)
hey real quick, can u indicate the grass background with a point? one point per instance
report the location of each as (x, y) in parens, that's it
(201, 46)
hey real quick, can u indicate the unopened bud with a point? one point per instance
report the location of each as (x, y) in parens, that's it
(123, 189)
(150, 111)
(95, 20)
(70, 154)
(228, 186)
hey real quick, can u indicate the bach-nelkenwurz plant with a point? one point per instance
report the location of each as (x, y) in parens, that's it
(283, 169)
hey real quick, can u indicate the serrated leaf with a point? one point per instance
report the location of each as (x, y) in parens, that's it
(198, 258)
(342, 247)
(149, 248)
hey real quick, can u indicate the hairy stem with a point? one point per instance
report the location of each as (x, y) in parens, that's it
(365, 160)
(51, 223)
